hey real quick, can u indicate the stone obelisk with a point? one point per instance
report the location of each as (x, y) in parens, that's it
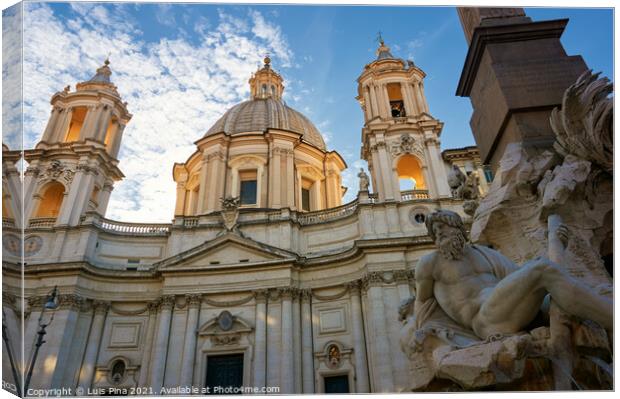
(515, 73)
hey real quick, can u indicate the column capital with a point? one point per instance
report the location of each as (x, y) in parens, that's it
(305, 294)
(193, 300)
(71, 301)
(372, 279)
(166, 302)
(260, 295)
(100, 307)
(354, 287)
(287, 292)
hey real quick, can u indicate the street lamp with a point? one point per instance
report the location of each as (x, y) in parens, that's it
(51, 303)
(9, 351)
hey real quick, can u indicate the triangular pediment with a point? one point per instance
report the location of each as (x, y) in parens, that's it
(229, 249)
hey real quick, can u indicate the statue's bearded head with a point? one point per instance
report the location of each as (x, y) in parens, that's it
(447, 230)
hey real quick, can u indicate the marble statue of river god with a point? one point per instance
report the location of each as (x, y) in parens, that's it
(484, 292)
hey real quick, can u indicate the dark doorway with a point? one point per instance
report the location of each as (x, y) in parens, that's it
(224, 374)
(337, 384)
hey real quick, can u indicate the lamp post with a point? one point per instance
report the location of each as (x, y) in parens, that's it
(9, 351)
(51, 304)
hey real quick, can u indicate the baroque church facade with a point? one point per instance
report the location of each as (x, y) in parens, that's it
(263, 279)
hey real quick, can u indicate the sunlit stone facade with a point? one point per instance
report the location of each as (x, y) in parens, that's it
(262, 279)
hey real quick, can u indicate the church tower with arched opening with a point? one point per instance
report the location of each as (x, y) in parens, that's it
(73, 168)
(400, 138)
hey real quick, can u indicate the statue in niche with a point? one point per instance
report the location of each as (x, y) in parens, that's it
(473, 302)
(364, 182)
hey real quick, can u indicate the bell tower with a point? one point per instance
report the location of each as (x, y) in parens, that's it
(73, 168)
(400, 138)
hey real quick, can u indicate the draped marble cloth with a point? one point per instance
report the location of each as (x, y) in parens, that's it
(431, 320)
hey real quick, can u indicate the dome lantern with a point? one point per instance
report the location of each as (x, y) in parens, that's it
(266, 83)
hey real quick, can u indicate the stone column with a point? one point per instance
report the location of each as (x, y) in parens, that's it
(359, 340)
(307, 356)
(158, 362)
(202, 190)
(372, 102)
(405, 89)
(48, 134)
(376, 99)
(275, 178)
(86, 132)
(148, 345)
(381, 352)
(260, 340)
(274, 338)
(438, 169)
(104, 198)
(179, 208)
(287, 382)
(92, 347)
(118, 138)
(79, 195)
(290, 178)
(60, 130)
(418, 96)
(297, 341)
(386, 100)
(104, 121)
(367, 106)
(391, 192)
(213, 170)
(189, 346)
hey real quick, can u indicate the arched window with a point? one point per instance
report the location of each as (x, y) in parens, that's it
(264, 90)
(78, 114)
(397, 106)
(273, 90)
(51, 200)
(410, 173)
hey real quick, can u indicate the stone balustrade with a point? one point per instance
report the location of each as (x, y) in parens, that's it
(327, 214)
(190, 222)
(141, 229)
(8, 222)
(41, 223)
(413, 195)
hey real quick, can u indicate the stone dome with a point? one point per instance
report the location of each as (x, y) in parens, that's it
(260, 114)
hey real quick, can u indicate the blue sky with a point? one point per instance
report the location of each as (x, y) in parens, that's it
(180, 66)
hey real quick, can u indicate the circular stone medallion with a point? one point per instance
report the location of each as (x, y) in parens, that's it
(225, 320)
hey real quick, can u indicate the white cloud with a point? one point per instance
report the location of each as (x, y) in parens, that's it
(176, 89)
(11, 77)
(164, 15)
